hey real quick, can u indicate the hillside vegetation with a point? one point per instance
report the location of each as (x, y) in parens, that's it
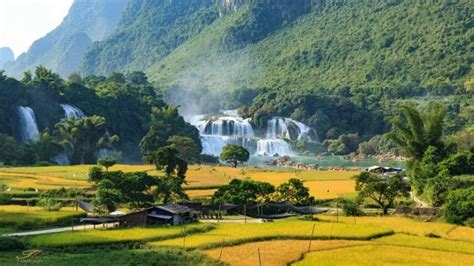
(293, 44)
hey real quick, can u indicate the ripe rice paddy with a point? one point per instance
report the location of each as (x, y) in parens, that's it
(111, 236)
(428, 243)
(322, 184)
(384, 255)
(410, 226)
(14, 214)
(233, 234)
(277, 252)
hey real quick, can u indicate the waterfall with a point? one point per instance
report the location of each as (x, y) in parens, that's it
(277, 128)
(229, 128)
(287, 128)
(273, 147)
(226, 126)
(72, 111)
(213, 145)
(27, 122)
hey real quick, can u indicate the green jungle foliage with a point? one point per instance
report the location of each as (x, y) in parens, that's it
(120, 110)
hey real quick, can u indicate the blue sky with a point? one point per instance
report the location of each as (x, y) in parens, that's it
(24, 21)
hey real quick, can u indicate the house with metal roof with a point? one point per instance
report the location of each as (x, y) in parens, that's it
(172, 214)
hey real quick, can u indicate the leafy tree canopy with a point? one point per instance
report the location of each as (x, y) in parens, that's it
(234, 154)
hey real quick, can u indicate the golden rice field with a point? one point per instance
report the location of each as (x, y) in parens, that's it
(428, 243)
(292, 229)
(384, 255)
(410, 226)
(201, 193)
(276, 252)
(331, 189)
(322, 184)
(104, 236)
(14, 214)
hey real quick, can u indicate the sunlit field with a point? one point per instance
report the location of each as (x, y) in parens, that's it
(331, 189)
(111, 236)
(385, 255)
(277, 252)
(428, 243)
(322, 184)
(230, 234)
(410, 226)
(14, 215)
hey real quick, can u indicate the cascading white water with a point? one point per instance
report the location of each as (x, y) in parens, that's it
(279, 127)
(218, 131)
(72, 111)
(226, 126)
(27, 122)
(273, 147)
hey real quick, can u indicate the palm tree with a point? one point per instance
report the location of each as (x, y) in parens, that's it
(418, 130)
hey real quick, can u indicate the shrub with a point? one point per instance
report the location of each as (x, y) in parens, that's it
(460, 205)
(351, 207)
(5, 199)
(470, 222)
(8, 244)
(204, 158)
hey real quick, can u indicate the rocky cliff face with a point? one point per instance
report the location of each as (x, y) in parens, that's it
(6, 55)
(63, 48)
(227, 6)
(262, 18)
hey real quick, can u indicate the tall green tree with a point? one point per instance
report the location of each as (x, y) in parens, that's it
(417, 130)
(234, 154)
(164, 124)
(382, 190)
(169, 186)
(116, 187)
(107, 162)
(83, 138)
(188, 149)
(244, 191)
(294, 192)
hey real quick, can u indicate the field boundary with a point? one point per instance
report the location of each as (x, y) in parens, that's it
(283, 237)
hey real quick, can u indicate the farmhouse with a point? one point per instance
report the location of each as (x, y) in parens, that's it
(172, 214)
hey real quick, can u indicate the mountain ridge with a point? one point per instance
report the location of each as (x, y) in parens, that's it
(62, 49)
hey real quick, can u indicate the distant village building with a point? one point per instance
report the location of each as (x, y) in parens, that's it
(172, 214)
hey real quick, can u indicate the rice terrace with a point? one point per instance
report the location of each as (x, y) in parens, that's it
(236, 132)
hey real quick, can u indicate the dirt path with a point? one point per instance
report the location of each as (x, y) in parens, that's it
(419, 202)
(61, 229)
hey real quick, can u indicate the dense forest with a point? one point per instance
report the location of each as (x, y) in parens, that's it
(343, 68)
(118, 112)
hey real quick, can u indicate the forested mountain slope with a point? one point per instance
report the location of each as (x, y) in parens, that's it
(223, 44)
(63, 48)
(355, 44)
(148, 31)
